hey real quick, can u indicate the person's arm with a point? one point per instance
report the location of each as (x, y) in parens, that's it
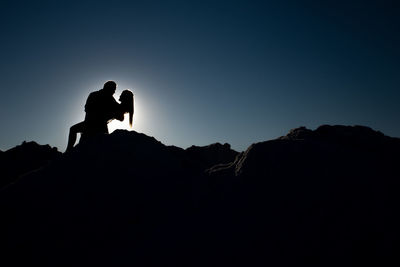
(119, 116)
(116, 111)
(119, 113)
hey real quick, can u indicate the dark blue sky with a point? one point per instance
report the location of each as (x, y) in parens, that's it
(202, 71)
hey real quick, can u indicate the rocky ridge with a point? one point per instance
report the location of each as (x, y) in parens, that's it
(323, 197)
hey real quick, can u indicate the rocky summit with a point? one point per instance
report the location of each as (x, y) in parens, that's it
(324, 197)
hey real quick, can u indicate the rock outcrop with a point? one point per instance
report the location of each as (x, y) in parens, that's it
(324, 197)
(211, 155)
(28, 156)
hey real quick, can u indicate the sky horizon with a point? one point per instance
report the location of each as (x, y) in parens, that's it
(235, 72)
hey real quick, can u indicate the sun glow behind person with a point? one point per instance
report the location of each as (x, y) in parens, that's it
(141, 114)
(139, 122)
(124, 125)
(151, 112)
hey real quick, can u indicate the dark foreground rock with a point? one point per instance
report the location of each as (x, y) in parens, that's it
(27, 157)
(327, 197)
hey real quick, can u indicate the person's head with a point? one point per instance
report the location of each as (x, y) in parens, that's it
(110, 87)
(126, 99)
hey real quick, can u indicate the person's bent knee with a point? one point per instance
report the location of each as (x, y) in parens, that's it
(73, 129)
(77, 128)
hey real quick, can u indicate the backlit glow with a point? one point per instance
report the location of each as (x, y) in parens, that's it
(124, 125)
(143, 117)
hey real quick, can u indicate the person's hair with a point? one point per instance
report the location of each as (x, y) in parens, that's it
(126, 99)
(110, 85)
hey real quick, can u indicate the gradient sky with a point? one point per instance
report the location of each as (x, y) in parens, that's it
(202, 71)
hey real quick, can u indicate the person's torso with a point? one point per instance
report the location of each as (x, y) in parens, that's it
(100, 107)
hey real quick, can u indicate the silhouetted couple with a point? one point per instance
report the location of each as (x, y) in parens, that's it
(101, 108)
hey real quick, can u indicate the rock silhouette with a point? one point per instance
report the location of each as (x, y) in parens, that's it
(326, 197)
(28, 156)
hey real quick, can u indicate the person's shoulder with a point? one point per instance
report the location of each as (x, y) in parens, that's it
(112, 99)
(94, 94)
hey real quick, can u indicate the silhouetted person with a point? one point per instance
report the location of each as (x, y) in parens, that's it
(101, 108)
(126, 106)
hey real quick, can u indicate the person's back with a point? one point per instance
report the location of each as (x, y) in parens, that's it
(100, 107)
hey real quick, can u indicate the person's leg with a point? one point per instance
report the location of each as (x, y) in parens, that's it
(73, 131)
(93, 129)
